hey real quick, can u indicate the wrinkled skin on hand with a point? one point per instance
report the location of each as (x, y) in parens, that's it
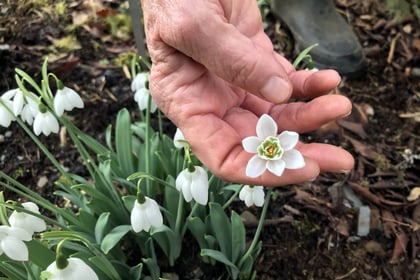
(215, 72)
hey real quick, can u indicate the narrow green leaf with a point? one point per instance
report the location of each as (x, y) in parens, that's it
(222, 228)
(238, 237)
(101, 226)
(220, 257)
(198, 230)
(112, 238)
(123, 142)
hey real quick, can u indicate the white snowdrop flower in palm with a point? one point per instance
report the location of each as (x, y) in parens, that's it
(75, 269)
(141, 92)
(66, 99)
(193, 185)
(6, 117)
(45, 123)
(11, 243)
(252, 195)
(145, 215)
(273, 152)
(26, 221)
(179, 140)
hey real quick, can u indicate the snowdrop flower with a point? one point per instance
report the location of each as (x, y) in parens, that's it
(18, 100)
(26, 221)
(141, 92)
(193, 184)
(6, 117)
(45, 123)
(139, 81)
(142, 98)
(179, 140)
(273, 152)
(252, 195)
(66, 99)
(75, 269)
(145, 215)
(29, 111)
(11, 243)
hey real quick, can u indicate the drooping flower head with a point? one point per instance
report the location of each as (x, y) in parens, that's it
(66, 99)
(45, 123)
(140, 87)
(26, 221)
(252, 195)
(193, 184)
(6, 117)
(11, 243)
(273, 152)
(145, 214)
(179, 140)
(75, 269)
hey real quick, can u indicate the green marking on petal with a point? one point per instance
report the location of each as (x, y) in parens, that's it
(270, 149)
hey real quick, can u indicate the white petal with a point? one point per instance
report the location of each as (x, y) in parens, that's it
(141, 96)
(18, 102)
(59, 103)
(51, 124)
(139, 81)
(248, 199)
(288, 139)
(153, 106)
(6, 117)
(244, 191)
(153, 213)
(14, 248)
(251, 144)
(74, 98)
(200, 186)
(179, 140)
(19, 233)
(38, 124)
(258, 196)
(8, 95)
(76, 269)
(255, 167)
(137, 217)
(183, 184)
(293, 159)
(266, 126)
(276, 167)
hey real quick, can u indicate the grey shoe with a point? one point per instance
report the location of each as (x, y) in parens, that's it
(317, 21)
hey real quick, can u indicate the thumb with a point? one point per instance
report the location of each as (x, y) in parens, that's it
(244, 58)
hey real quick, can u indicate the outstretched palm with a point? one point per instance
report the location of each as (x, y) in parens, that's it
(212, 66)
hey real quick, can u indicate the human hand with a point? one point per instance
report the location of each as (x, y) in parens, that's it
(214, 72)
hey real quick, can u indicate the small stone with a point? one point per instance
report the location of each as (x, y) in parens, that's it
(249, 218)
(42, 181)
(8, 134)
(375, 248)
(363, 223)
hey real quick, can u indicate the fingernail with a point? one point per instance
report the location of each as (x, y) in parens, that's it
(276, 90)
(346, 172)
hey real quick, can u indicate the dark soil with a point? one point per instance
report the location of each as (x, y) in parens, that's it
(311, 231)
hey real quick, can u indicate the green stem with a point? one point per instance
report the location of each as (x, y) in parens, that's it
(192, 212)
(232, 198)
(30, 273)
(179, 213)
(259, 228)
(149, 190)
